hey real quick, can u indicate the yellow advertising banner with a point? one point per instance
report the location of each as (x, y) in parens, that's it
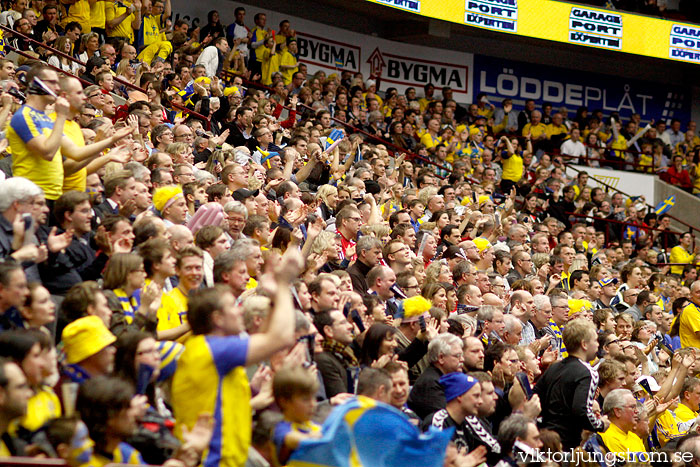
(567, 22)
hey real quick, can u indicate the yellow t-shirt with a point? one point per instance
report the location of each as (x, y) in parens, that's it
(97, 15)
(553, 130)
(512, 168)
(287, 59)
(269, 64)
(41, 407)
(690, 324)
(78, 180)
(26, 124)
(618, 441)
(124, 28)
(152, 29)
(429, 141)
(535, 130)
(173, 310)
(80, 12)
(681, 256)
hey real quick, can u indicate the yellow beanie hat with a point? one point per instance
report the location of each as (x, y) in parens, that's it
(165, 196)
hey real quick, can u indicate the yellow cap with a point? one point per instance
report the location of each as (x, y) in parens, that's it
(482, 244)
(230, 90)
(461, 128)
(414, 307)
(165, 196)
(85, 337)
(484, 199)
(203, 79)
(577, 305)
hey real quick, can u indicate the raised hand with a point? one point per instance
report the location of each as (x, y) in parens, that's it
(57, 242)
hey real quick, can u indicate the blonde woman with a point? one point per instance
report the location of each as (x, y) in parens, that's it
(327, 199)
(380, 231)
(126, 71)
(89, 46)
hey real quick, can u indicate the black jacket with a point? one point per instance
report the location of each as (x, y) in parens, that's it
(337, 377)
(78, 263)
(567, 390)
(358, 274)
(427, 395)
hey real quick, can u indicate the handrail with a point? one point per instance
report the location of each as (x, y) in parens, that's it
(623, 223)
(69, 57)
(692, 228)
(394, 147)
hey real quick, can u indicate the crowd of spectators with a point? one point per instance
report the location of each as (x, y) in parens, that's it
(207, 287)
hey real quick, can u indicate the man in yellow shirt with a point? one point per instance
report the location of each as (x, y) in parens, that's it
(681, 254)
(73, 143)
(288, 61)
(675, 422)
(621, 408)
(689, 329)
(151, 38)
(172, 321)
(535, 128)
(35, 138)
(557, 131)
(15, 394)
(78, 11)
(431, 138)
(122, 21)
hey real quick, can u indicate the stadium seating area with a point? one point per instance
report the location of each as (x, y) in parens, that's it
(214, 252)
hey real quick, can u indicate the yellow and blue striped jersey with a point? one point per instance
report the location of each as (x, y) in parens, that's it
(26, 124)
(210, 377)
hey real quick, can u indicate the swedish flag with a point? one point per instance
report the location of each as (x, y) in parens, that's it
(631, 231)
(665, 205)
(364, 433)
(333, 139)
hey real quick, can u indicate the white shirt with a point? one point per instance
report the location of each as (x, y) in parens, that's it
(241, 32)
(210, 59)
(573, 148)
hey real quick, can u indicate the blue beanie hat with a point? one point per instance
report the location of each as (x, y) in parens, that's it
(456, 384)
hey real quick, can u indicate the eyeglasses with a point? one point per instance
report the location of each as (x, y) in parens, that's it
(397, 251)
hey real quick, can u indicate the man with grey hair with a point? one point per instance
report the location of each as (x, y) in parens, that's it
(369, 252)
(513, 330)
(236, 217)
(494, 324)
(231, 268)
(541, 316)
(621, 408)
(250, 250)
(519, 439)
(445, 355)
(20, 196)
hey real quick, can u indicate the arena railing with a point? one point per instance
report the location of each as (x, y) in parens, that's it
(81, 63)
(691, 228)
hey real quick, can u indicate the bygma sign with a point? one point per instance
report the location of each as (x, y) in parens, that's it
(328, 53)
(416, 72)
